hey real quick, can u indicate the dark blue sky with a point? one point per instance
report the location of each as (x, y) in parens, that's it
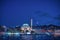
(17, 12)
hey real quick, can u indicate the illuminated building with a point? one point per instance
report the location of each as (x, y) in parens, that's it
(25, 27)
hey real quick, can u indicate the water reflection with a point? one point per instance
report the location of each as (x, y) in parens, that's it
(28, 37)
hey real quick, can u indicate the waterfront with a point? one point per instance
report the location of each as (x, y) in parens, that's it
(28, 37)
(50, 32)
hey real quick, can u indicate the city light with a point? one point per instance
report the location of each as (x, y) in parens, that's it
(28, 33)
(10, 34)
(17, 34)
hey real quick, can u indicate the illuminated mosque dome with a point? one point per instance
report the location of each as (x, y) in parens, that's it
(25, 27)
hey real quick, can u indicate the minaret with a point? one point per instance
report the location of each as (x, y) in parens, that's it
(31, 23)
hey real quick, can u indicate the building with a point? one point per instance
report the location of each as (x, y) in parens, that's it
(26, 28)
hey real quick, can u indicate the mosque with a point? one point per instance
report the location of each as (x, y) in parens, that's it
(26, 28)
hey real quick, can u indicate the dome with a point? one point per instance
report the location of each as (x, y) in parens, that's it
(25, 25)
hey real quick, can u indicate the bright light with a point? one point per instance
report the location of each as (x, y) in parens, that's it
(16, 34)
(9, 33)
(28, 33)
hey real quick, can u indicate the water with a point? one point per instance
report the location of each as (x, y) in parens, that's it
(27, 37)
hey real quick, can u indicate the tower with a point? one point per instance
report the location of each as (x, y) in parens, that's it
(31, 23)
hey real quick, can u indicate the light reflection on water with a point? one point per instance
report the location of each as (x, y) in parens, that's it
(28, 37)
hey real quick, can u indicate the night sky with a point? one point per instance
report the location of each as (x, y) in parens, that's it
(18, 12)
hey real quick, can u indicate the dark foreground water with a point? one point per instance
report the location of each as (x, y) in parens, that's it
(28, 37)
